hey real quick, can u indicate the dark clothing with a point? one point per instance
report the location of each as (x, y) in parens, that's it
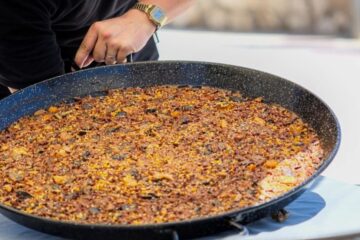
(4, 92)
(39, 38)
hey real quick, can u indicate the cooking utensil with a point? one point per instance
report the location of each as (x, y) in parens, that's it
(251, 83)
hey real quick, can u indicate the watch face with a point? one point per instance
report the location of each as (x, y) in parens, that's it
(158, 15)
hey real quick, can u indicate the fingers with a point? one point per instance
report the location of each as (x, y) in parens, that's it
(87, 46)
(106, 43)
(88, 61)
(111, 53)
(99, 50)
(122, 53)
(12, 90)
(115, 53)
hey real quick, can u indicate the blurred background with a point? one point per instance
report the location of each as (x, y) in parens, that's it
(326, 17)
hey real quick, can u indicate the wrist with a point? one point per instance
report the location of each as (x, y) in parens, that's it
(143, 19)
(155, 14)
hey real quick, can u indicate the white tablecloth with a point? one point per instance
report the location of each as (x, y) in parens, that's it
(328, 208)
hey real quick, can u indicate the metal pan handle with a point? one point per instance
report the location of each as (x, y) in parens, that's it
(172, 234)
(75, 67)
(243, 231)
(129, 58)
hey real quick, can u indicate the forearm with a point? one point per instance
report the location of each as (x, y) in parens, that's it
(172, 8)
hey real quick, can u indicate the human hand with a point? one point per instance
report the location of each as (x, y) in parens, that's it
(111, 40)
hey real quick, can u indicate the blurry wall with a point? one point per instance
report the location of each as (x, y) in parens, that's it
(332, 17)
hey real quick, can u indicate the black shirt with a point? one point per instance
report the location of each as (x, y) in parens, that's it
(39, 38)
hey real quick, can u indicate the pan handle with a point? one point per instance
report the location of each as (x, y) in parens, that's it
(75, 67)
(243, 231)
(173, 235)
(129, 58)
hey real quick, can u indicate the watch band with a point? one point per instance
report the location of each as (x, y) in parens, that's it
(148, 9)
(143, 7)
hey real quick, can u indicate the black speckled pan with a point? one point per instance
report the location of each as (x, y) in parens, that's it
(250, 82)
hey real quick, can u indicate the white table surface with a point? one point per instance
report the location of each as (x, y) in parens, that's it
(328, 67)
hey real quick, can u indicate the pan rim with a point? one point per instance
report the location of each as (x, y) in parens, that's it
(232, 214)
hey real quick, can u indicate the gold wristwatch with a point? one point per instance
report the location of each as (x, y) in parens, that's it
(155, 14)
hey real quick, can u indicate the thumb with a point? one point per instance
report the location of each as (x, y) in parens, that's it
(83, 55)
(87, 61)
